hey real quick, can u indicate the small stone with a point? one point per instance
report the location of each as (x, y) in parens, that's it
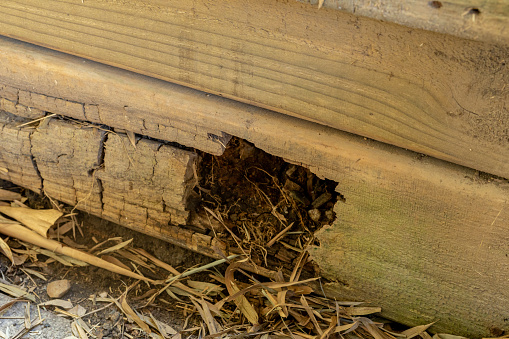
(58, 288)
(315, 215)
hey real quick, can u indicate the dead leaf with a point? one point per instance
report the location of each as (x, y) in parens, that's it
(116, 247)
(310, 314)
(65, 304)
(241, 301)
(156, 261)
(206, 315)
(6, 250)
(6, 195)
(129, 312)
(447, 336)
(205, 287)
(33, 272)
(164, 329)
(356, 311)
(78, 310)
(415, 331)
(25, 234)
(16, 292)
(37, 220)
(78, 331)
(115, 261)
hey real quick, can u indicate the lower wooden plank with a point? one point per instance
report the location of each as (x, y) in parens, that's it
(99, 171)
(434, 94)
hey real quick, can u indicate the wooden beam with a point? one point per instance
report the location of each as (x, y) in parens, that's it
(434, 94)
(99, 171)
(437, 218)
(479, 19)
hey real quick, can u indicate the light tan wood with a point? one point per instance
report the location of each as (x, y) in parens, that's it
(435, 94)
(472, 19)
(435, 217)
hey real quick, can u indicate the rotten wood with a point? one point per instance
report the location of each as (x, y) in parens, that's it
(425, 206)
(100, 172)
(434, 94)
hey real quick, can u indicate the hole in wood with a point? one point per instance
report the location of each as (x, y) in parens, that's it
(271, 207)
(435, 4)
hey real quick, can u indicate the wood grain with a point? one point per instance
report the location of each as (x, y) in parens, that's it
(99, 171)
(434, 94)
(409, 221)
(478, 19)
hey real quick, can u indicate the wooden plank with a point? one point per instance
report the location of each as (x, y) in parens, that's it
(434, 94)
(395, 194)
(478, 19)
(99, 171)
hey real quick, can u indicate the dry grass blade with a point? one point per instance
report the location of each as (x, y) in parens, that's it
(164, 329)
(78, 331)
(415, 331)
(205, 287)
(241, 301)
(356, 311)
(136, 258)
(116, 247)
(132, 137)
(273, 285)
(447, 336)
(6, 250)
(10, 303)
(372, 328)
(272, 300)
(218, 218)
(205, 314)
(115, 261)
(156, 261)
(6, 195)
(129, 312)
(279, 235)
(16, 292)
(39, 275)
(66, 304)
(37, 220)
(24, 234)
(310, 314)
(24, 331)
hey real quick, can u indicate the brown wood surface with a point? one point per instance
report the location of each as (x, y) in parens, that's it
(428, 237)
(99, 171)
(435, 94)
(472, 19)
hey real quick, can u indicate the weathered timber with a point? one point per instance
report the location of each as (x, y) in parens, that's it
(435, 94)
(16, 160)
(479, 19)
(36, 79)
(98, 171)
(393, 188)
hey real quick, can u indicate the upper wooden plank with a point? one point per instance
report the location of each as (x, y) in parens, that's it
(435, 94)
(484, 20)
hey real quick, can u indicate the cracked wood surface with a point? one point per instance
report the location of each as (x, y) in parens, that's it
(146, 188)
(434, 94)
